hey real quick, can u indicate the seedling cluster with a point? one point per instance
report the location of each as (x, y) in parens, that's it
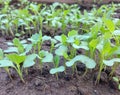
(96, 33)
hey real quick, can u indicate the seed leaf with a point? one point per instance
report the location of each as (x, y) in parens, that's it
(46, 56)
(61, 50)
(90, 63)
(110, 25)
(11, 50)
(111, 62)
(116, 32)
(17, 59)
(29, 61)
(72, 33)
(6, 63)
(55, 70)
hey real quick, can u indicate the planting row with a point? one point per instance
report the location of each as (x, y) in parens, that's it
(96, 33)
(25, 18)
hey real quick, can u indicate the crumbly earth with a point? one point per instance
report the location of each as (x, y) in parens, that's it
(37, 83)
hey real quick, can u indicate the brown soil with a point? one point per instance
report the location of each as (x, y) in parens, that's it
(38, 83)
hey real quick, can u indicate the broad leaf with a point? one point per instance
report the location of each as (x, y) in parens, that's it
(57, 70)
(90, 63)
(116, 32)
(29, 61)
(61, 50)
(6, 63)
(46, 56)
(110, 25)
(11, 50)
(111, 62)
(72, 33)
(17, 59)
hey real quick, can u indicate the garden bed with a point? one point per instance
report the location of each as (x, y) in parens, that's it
(58, 49)
(45, 84)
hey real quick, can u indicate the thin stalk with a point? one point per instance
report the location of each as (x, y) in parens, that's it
(86, 70)
(100, 69)
(114, 68)
(52, 47)
(8, 72)
(56, 75)
(19, 73)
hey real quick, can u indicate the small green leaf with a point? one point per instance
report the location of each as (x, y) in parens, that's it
(116, 32)
(17, 59)
(71, 39)
(6, 63)
(29, 61)
(64, 39)
(93, 43)
(111, 62)
(83, 45)
(11, 50)
(45, 38)
(56, 70)
(90, 63)
(46, 56)
(56, 60)
(72, 33)
(18, 44)
(36, 38)
(59, 38)
(110, 25)
(61, 50)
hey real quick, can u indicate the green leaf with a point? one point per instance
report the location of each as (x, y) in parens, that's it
(27, 49)
(93, 43)
(6, 63)
(71, 39)
(56, 60)
(18, 44)
(56, 70)
(61, 50)
(116, 32)
(95, 29)
(11, 50)
(72, 33)
(59, 38)
(83, 45)
(64, 39)
(17, 59)
(45, 38)
(110, 25)
(29, 61)
(36, 38)
(111, 62)
(80, 47)
(90, 63)
(46, 56)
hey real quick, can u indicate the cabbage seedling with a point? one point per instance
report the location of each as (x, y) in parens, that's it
(57, 68)
(18, 62)
(44, 56)
(5, 62)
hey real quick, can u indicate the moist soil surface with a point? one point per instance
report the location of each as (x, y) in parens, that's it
(42, 83)
(37, 83)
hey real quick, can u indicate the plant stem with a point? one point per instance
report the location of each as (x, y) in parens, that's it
(100, 69)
